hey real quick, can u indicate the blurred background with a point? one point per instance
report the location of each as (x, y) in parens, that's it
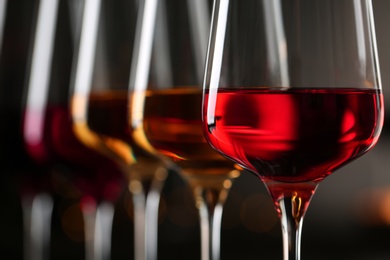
(349, 217)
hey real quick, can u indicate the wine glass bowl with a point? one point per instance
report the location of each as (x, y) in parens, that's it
(292, 92)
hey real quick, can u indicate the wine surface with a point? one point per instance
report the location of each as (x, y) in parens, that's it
(51, 143)
(293, 135)
(173, 125)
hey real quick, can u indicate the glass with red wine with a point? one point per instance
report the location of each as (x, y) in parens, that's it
(165, 103)
(292, 92)
(71, 170)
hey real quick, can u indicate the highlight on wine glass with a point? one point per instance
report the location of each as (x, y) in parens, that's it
(292, 93)
(165, 103)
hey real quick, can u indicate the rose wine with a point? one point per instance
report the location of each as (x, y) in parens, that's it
(173, 125)
(52, 144)
(293, 135)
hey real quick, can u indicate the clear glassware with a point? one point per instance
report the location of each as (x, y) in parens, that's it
(37, 200)
(18, 170)
(71, 170)
(292, 92)
(165, 104)
(99, 103)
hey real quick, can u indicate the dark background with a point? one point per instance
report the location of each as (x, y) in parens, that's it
(349, 217)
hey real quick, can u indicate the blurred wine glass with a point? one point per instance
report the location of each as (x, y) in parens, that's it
(15, 33)
(100, 110)
(72, 170)
(292, 93)
(165, 105)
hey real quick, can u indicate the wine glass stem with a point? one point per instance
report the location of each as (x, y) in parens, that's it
(146, 185)
(89, 216)
(102, 231)
(291, 229)
(37, 213)
(139, 224)
(151, 215)
(210, 205)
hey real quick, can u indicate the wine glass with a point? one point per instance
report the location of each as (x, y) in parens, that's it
(292, 92)
(72, 171)
(165, 104)
(100, 112)
(18, 170)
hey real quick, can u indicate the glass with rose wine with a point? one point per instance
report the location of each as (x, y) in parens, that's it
(292, 92)
(165, 104)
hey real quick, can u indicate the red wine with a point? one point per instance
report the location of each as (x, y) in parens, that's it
(293, 135)
(51, 143)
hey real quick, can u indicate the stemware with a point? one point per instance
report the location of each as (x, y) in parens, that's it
(15, 33)
(292, 92)
(72, 171)
(165, 94)
(100, 113)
